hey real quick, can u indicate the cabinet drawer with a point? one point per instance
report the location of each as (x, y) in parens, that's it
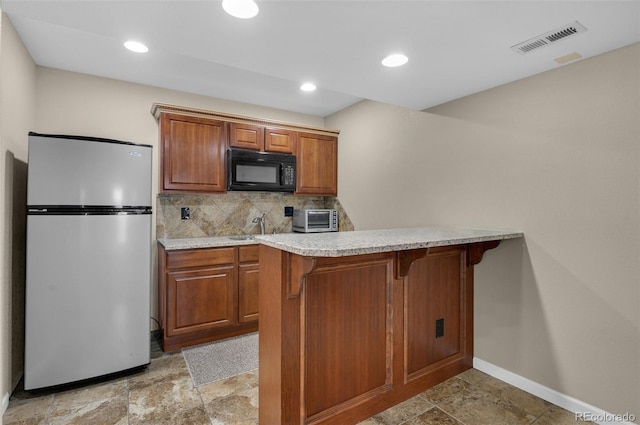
(200, 257)
(248, 253)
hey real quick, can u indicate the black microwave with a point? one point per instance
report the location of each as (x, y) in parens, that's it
(260, 171)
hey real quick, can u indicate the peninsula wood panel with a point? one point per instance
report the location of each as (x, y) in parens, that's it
(347, 353)
(193, 154)
(279, 383)
(434, 290)
(344, 338)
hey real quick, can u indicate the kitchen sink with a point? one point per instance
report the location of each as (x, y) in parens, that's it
(241, 237)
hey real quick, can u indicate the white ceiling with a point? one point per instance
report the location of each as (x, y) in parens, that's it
(455, 48)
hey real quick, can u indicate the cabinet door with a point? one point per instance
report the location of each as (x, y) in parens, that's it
(248, 292)
(192, 154)
(317, 164)
(200, 299)
(279, 140)
(246, 136)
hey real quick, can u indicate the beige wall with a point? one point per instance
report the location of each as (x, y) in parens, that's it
(556, 156)
(17, 96)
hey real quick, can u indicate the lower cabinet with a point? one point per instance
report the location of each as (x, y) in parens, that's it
(200, 300)
(248, 272)
(207, 294)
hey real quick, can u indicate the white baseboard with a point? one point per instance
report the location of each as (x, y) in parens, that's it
(5, 405)
(552, 396)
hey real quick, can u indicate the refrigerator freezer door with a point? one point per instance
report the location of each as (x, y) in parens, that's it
(88, 172)
(87, 300)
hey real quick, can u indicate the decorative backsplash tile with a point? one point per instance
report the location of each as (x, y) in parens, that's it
(232, 213)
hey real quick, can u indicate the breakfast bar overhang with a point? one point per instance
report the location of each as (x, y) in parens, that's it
(352, 323)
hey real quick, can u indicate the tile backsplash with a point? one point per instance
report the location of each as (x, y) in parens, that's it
(232, 213)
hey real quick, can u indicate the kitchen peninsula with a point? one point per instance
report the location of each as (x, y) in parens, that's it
(352, 323)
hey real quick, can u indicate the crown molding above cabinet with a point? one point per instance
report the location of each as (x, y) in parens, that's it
(159, 108)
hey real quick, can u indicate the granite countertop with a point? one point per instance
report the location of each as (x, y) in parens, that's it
(204, 242)
(340, 244)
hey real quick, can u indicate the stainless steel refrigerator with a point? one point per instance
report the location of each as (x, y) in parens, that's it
(88, 258)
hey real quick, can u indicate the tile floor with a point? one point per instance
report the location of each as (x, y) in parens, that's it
(163, 393)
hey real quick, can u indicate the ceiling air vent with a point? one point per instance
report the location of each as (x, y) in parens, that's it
(548, 38)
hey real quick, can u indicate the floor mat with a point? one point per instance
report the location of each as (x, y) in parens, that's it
(222, 359)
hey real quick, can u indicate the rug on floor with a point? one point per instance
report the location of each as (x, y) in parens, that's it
(222, 359)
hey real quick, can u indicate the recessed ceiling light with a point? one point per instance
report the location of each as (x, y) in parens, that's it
(397, 59)
(136, 46)
(243, 9)
(308, 87)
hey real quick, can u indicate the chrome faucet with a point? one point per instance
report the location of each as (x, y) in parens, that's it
(260, 220)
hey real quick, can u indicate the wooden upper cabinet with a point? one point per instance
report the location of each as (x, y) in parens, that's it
(280, 140)
(193, 154)
(317, 164)
(260, 138)
(246, 136)
(193, 149)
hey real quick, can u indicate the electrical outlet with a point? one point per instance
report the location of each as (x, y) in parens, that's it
(185, 213)
(288, 211)
(439, 328)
